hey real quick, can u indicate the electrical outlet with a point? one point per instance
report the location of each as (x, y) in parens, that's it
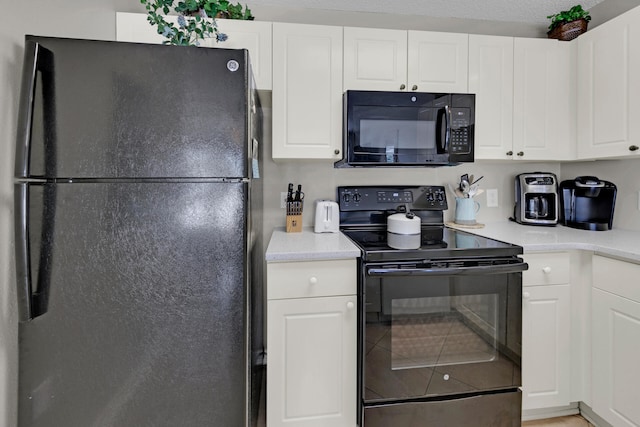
(492, 198)
(283, 200)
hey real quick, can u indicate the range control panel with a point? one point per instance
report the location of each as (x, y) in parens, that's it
(392, 198)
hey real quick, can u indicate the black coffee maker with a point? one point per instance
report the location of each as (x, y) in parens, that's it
(587, 203)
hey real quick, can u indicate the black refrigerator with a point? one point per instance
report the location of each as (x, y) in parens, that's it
(138, 236)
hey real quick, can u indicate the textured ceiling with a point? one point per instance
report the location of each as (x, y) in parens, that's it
(526, 11)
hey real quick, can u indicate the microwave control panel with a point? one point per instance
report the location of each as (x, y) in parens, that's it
(460, 140)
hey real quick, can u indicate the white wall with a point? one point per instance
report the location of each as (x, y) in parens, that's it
(95, 19)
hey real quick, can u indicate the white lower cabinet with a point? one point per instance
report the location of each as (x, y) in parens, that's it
(546, 331)
(311, 339)
(616, 341)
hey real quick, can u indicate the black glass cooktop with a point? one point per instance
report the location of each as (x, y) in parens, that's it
(435, 242)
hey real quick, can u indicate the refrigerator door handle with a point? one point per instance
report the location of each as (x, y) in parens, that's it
(23, 260)
(33, 62)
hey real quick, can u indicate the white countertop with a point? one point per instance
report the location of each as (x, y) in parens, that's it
(616, 243)
(309, 246)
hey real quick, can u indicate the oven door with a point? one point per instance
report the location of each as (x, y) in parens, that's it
(441, 329)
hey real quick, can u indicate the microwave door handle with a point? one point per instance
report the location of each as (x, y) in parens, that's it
(447, 117)
(442, 146)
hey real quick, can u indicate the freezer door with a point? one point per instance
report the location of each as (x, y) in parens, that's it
(140, 306)
(93, 109)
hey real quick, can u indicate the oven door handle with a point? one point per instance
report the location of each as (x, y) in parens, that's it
(450, 271)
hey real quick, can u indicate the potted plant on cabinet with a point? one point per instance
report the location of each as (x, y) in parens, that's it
(568, 24)
(196, 19)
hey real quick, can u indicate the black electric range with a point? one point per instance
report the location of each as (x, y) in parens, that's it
(434, 318)
(363, 214)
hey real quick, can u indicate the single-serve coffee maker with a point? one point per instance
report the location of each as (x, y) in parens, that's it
(536, 199)
(587, 203)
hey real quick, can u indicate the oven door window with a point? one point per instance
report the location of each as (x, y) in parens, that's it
(440, 335)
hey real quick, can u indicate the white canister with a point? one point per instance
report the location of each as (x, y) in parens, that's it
(403, 231)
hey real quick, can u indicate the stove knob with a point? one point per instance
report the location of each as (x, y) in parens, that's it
(356, 197)
(440, 197)
(430, 197)
(346, 197)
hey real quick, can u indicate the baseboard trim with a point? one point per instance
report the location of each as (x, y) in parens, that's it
(592, 417)
(559, 411)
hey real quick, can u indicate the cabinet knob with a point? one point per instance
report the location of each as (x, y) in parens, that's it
(403, 87)
(520, 153)
(526, 295)
(414, 87)
(509, 153)
(350, 305)
(313, 280)
(546, 270)
(336, 152)
(633, 148)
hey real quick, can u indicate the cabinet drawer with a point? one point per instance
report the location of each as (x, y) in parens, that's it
(546, 269)
(311, 279)
(617, 277)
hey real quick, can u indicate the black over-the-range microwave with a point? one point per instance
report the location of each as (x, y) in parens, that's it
(407, 129)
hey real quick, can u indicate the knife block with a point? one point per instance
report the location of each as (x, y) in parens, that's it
(294, 217)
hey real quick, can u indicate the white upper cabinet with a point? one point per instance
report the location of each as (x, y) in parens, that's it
(491, 80)
(307, 91)
(255, 36)
(375, 59)
(438, 62)
(399, 60)
(543, 100)
(608, 84)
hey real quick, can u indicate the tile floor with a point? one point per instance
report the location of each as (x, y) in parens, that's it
(569, 421)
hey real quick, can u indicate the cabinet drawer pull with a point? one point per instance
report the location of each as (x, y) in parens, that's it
(414, 87)
(520, 153)
(336, 152)
(313, 280)
(633, 148)
(350, 305)
(402, 87)
(546, 270)
(509, 153)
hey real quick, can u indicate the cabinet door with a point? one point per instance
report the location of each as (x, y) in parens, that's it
(543, 103)
(375, 59)
(608, 84)
(307, 91)
(491, 79)
(438, 62)
(615, 352)
(546, 367)
(311, 368)
(255, 36)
